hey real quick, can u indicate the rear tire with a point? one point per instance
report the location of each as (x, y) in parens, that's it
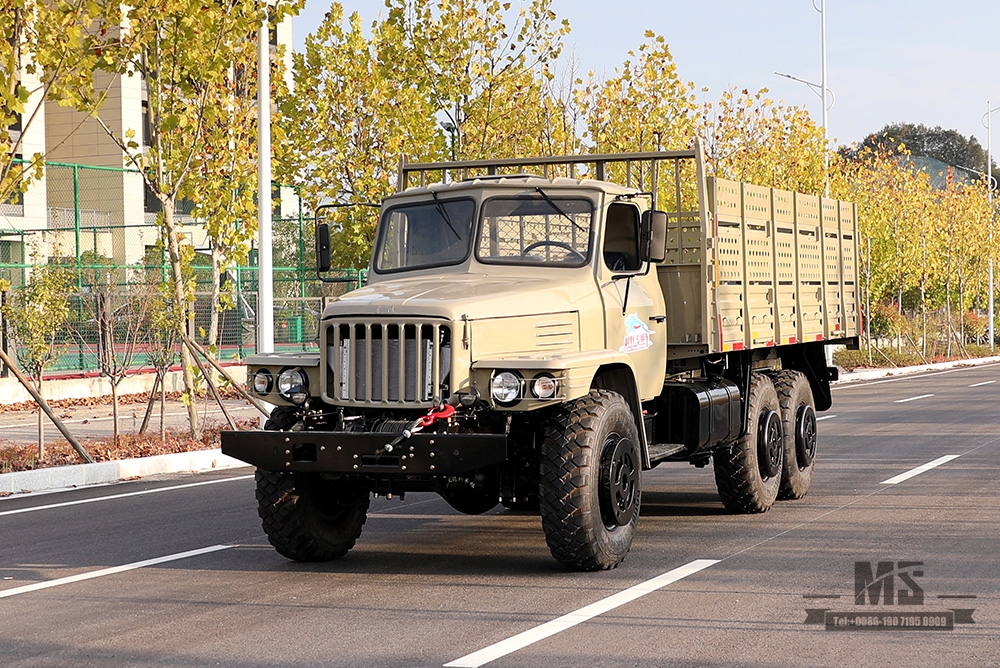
(798, 419)
(748, 471)
(590, 487)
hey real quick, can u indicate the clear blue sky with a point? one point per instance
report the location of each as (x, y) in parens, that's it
(916, 61)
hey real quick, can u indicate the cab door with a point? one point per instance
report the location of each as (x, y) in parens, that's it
(634, 310)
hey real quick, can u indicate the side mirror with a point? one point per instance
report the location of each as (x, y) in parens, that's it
(322, 241)
(653, 236)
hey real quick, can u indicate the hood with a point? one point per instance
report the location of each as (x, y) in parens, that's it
(476, 296)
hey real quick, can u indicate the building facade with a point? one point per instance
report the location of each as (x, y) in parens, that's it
(89, 200)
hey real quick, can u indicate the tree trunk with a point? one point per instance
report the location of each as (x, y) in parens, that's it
(114, 409)
(163, 404)
(41, 421)
(181, 308)
(213, 321)
(149, 404)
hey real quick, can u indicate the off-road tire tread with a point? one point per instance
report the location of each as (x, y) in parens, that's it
(282, 500)
(565, 461)
(794, 484)
(283, 514)
(736, 474)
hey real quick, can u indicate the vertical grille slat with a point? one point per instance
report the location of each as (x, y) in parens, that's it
(404, 364)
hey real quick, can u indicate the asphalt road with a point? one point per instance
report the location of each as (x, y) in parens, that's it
(81, 584)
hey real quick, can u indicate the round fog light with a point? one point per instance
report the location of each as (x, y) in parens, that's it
(262, 381)
(290, 379)
(506, 387)
(544, 387)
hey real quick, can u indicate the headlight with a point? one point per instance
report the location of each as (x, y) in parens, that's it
(544, 386)
(506, 387)
(293, 385)
(262, 381)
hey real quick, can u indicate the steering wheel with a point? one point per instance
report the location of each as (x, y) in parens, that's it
(558, 244)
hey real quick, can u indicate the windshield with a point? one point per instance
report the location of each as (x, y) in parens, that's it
(427, 234)
(536, 230)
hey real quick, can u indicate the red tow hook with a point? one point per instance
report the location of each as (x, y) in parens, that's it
(440, 412)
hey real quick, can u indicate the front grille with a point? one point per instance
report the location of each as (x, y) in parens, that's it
(388, 364)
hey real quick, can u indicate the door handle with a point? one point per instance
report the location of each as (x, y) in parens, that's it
(658, 318)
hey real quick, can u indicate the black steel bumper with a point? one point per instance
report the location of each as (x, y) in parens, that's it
(355, 452)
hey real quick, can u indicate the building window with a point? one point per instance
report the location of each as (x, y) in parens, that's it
(147, 128)
(13, 205)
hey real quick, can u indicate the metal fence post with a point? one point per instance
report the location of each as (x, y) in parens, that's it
(79, 261)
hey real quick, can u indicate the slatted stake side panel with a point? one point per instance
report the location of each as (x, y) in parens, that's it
(832, 280)
(726, 200)
(786, 273)
(758, 253)
(809, 256)
(682, 280)
(778, 264)
(849, 273)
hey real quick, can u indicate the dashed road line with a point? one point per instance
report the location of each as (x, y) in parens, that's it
(531, 636)
(825, 417)
(110, 571)
(922, 396)
(920, 469)
(985, 382)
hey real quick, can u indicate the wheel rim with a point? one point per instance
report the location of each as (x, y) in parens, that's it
(805, 435)
(769, 445)
(619, 495)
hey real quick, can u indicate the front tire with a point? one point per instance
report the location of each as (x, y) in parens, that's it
(798, 418)
(748, 471)
(590, 488)
(306, 517)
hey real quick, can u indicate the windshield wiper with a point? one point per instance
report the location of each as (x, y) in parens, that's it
(444, 214)
(562, 213)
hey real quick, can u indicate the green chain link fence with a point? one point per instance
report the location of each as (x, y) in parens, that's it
(100, 223)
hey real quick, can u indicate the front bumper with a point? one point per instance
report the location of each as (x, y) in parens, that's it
(358, 452)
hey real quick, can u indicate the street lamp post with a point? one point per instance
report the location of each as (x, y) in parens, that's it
(826, 132)
(988, 122)
(821, 89)
(265, 273)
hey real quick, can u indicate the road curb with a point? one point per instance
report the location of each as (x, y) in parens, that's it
(873, 374)
(80, 475)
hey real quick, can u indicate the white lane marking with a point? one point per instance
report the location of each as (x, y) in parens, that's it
(825, 417)
(121, 496)
(922, 396)
(110, 571)
(920, 469)
(985, 382)
(521, 640)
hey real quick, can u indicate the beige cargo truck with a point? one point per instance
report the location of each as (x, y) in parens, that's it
(536, 333)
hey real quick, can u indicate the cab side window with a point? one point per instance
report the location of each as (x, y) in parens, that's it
(621, 238)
